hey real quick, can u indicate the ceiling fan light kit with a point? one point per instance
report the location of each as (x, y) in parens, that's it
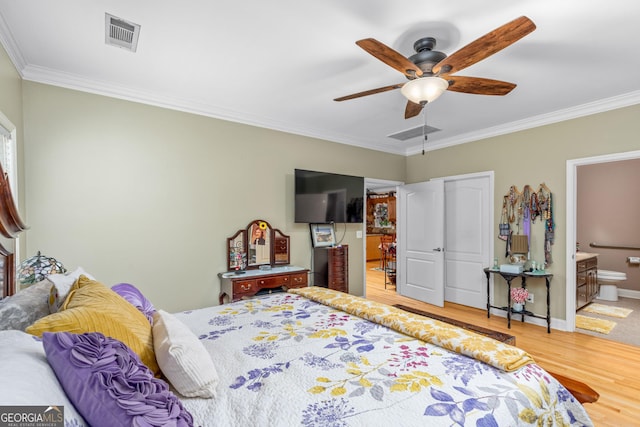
(424, 89)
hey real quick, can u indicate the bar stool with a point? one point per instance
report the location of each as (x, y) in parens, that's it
(388, 253)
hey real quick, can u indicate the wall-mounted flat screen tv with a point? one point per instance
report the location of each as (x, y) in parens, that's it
(322, 197)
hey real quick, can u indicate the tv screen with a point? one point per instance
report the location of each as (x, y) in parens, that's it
(322, 197)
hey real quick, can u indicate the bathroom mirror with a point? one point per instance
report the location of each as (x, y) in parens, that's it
(257, 245)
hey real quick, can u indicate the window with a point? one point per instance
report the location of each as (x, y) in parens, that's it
(8, 153)
(8, 159)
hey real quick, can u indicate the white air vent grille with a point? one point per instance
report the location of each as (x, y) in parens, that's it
(413, 133)
(121, 33)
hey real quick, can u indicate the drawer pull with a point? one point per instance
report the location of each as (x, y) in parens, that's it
(245, 286)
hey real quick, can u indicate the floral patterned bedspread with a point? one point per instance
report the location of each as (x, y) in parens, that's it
(287, 359)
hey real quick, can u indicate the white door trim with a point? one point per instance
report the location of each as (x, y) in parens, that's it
(571, 191)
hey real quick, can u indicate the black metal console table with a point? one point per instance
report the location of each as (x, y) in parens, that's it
(508, 277)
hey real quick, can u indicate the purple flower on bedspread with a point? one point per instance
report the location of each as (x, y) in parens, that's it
(253, 379)
(457, 410)
(349, 357)
(365, 326)
(361, 345)
(307, 303)
(298, 314)
(221, 321)
(328, 413)
(214, 335)
(465, 368)
(536, 372)
(310, 359)
(261, 324)
(262, 350)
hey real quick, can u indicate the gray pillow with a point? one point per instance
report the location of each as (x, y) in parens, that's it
(25, 307)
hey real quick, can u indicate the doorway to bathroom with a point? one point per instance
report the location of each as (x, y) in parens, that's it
(603, 207)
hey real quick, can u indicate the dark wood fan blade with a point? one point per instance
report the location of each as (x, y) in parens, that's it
(390, 57)
(412, 109)
(485, 46)
(479, 85)
(370, 92)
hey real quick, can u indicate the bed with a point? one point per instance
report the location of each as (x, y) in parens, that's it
(311, 356)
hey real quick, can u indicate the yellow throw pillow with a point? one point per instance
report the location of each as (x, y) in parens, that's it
(92, 307)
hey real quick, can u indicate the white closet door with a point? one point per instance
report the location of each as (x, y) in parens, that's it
(420, 208)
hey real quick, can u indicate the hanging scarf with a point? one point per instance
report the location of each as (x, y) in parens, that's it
(526, 216)
(549, 233)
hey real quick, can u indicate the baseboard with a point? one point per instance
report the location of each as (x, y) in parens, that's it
(559, 324)
(628, 293)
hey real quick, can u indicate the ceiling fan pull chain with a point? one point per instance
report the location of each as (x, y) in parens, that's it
(424, 127)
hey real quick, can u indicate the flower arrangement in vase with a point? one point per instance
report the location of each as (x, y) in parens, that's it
(519, 296)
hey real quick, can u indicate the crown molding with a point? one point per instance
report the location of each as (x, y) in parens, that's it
(70, 81)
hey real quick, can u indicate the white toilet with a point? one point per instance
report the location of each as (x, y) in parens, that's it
(608, 281)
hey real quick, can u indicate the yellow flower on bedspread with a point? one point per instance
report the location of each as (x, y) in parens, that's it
(277, 308)
(356, 376)
(476, 344)
(414, 381)
(328, 333)
(488, 350)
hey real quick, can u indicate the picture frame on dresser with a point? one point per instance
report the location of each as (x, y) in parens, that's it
(322, 235)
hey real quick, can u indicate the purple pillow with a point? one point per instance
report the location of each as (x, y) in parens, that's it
(135, 297)
(108, 384)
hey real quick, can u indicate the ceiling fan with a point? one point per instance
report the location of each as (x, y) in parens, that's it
(430, 72)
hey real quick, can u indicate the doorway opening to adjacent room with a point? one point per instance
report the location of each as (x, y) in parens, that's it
(466, 246)
(628, 298)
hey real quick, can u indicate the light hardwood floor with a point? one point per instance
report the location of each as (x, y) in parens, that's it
(612, 369)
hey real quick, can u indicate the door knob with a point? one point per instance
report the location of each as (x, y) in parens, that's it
(438, 249)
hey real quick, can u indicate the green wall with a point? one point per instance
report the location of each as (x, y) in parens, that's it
(532, 157)
(146, 195)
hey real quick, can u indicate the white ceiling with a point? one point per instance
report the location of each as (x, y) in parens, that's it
(278, 64)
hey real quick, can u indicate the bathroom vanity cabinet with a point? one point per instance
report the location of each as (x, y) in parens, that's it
(586, 278)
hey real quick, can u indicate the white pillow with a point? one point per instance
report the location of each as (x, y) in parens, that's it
(27, 379)
(182, 357)
(61, 285)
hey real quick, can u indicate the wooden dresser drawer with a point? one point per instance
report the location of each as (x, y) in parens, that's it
(273, 281)
(243, 287)
(298, 280)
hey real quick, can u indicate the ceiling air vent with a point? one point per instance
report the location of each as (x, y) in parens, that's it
(121, 33)
(413, 133)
